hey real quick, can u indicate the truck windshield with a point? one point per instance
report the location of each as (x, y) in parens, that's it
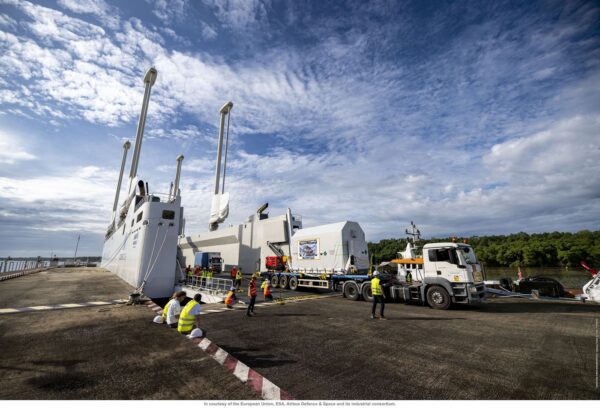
(468, 255)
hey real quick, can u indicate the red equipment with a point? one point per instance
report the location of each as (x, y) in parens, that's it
(589, 269)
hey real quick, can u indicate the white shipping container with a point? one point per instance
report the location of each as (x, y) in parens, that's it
(330, 248)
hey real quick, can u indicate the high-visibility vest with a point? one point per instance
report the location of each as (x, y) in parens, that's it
(238, 275)
(229, 298)
(376, 287)
(189, 273)
(186, 320)
(252, 288)
(267, 288)
(166, 309)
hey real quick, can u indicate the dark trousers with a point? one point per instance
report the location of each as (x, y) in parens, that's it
(378, 299)
(238, 283)
(251, 305)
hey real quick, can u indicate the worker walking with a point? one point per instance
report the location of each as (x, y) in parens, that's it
(190, 315)
(172, 309)
(266, 287)
(233, 273)
(252, 293)
(238, 279)
(230, 298)
(378, 296)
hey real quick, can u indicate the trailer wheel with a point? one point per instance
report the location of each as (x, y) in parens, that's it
(351, 291)
(293, 283)
(438, 297)
(283, 282)
(275, 281)
(366, 292)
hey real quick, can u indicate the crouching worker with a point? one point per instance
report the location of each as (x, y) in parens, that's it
(172, 309)
(231, 298)
(266, 287)
(190, 315)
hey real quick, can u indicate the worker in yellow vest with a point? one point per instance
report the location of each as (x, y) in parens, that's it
(238, 280)
(172, 309)
(190, 315)
(378, 295)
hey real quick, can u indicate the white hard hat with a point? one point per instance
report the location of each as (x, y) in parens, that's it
(196, 333)
(375, 273)
(158, 320)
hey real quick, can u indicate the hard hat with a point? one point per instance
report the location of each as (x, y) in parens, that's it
(196, 333)
(158, 320)
(375, 273)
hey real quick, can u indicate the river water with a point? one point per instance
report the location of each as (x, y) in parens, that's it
(573, 278)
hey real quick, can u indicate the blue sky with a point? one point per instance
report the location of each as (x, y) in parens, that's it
(469, 118)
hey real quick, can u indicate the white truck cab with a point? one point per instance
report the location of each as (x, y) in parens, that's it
(451, 274)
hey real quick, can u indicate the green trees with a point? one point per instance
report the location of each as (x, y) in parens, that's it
(521, 249)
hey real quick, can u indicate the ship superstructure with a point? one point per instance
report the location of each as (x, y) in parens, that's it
(141, 241)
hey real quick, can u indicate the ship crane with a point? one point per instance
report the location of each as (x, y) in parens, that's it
(219, 209)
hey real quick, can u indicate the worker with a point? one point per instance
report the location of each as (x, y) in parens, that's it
(230, 298)
(190, 315)
(233, 273)
(189, 273)
(238, 279)
(378, 296)
(266, 287)
(252, 294)
(172, 309)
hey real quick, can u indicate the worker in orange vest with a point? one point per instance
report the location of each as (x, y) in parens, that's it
(266, 287)
(230, 298)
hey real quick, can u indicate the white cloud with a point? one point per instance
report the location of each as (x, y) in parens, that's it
(169, 10)
(11, 150)
(240, 14)
(106, 13)
(208, 32)
(441, 140)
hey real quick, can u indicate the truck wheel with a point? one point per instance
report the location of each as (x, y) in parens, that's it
(275, 281)
(293, 283)
(366, 292)
(283, 282)
(351, 291)
(438, 297)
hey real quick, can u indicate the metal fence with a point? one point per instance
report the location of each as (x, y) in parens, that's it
(23, 265)
(215, 285)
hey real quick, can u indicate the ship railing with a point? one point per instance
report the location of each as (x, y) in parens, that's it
(16, 265)
(213, 285)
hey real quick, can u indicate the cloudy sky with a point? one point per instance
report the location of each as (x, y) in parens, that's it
(466, 117)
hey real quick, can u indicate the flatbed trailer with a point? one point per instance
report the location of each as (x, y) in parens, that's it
(358, 287)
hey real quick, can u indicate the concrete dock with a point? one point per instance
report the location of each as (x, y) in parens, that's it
(315, 348)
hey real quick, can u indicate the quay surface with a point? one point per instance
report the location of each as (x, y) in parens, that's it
(314, 347)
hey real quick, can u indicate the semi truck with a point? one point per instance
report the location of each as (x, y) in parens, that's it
(209, 260)
(447, 273)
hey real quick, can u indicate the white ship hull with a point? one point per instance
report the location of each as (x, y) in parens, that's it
(144, 246)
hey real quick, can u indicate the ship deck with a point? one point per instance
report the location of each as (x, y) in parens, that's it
(319, 347)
